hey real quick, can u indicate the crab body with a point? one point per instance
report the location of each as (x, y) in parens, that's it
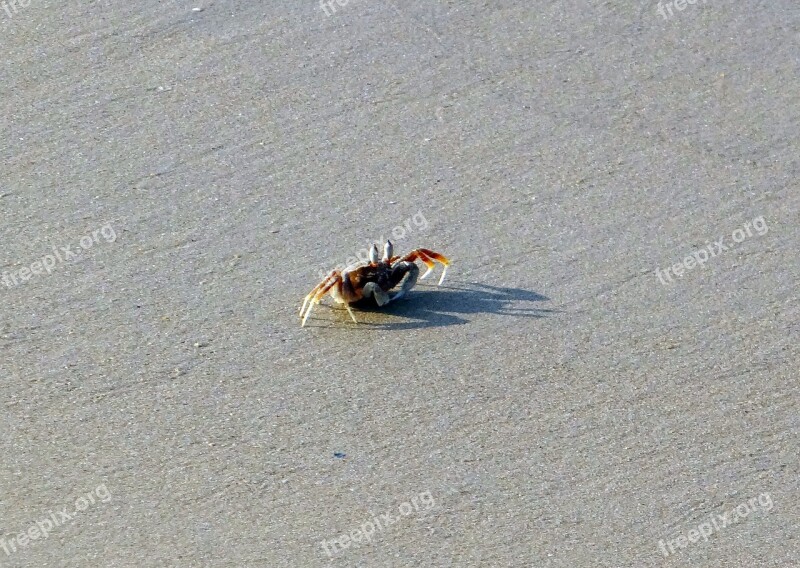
(374, 279)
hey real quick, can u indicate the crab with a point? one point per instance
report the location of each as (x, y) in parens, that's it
(374, 279)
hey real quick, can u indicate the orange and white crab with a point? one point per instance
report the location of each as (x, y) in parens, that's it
(374, 279)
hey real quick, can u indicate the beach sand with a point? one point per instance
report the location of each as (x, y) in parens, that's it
(567, 397)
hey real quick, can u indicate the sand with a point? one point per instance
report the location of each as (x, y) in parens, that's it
(607, 377)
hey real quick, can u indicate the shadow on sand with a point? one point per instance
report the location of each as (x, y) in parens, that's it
(437, 306)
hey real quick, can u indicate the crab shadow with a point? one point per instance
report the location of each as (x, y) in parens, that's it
(438, 306)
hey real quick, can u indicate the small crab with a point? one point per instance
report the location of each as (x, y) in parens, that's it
(373, 279)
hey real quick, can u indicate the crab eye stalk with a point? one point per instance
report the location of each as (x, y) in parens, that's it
(388, 249)
(373, 253)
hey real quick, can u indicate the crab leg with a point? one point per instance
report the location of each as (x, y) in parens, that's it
(428, 256)
(337, 282)
(441, 258)
(428, 262)
(350, 311)
(318, 296)
(314, 291)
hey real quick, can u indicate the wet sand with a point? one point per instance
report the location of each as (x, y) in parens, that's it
(609, 371)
